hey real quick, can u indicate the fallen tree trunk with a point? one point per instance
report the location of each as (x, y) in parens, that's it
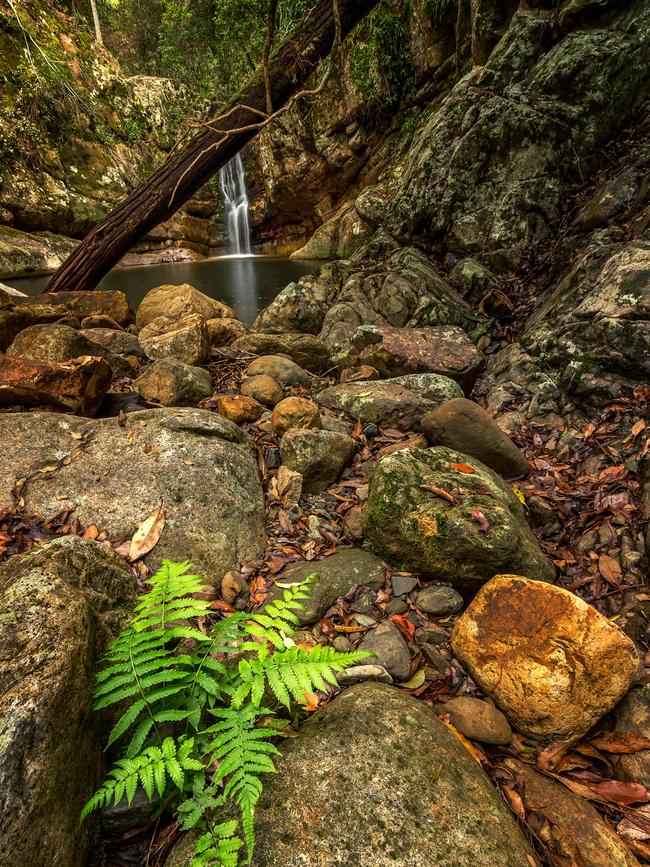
(182, 174)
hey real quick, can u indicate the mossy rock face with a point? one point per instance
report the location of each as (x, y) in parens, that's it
(58, 608)
(375, 779)
(447, 516)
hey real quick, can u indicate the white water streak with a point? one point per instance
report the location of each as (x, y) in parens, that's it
(232, 182)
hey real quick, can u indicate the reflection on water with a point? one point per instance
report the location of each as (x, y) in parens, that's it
(247, 283)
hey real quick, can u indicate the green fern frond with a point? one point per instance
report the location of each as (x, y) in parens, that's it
(278, 619)
(151, 769)
(220, 846)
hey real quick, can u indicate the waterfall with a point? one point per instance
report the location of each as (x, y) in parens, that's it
(233, 187)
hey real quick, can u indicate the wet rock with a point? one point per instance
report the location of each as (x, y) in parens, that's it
(632, 717)
(295, 412)
(396, 606)
(362, 373)
(61, 343)
(387, 647)
(320, 456)
(75, 386)
(172, 383)
(197, 464)
(17, 313)
(238, 408)
(335, 575)
(184, 338)
(282, 369)
(551, 662)
(341, 644)
(400, 402)
(439, 600)
(222, 332)
(476, 719)
(61, 604)
(572, 827)
(432, 634)
(177, 302)
(463, 425)
(411, 521)
(369, 743)
(305, 349)
(262, 388)
(442, 349)
(234, 590)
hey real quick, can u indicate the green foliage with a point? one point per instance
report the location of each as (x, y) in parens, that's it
(207, 688)
(437, 9)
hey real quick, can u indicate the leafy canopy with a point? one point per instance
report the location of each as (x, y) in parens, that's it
(195, 731)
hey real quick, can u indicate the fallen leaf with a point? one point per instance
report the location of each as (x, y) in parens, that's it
(463, 468)
(516, 804)
(550, 758)
(416, 681)
(638, 427)
(609, 569)
(147, 534)
(620, 742)
(479, 518)
(620, 792)
(471, 749)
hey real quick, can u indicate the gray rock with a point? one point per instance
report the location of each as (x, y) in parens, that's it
(418, 530)
(476, 719)
(320, 456)
(389, 648)
(377, 749)
(60, 605)
(472, 280)
(173, 383)
(119, 342)
(335, 575)
(463, 425)
(390, 402)
(439, 600)
(360, 673)
(403, 584)
(396, 606)
(198, 464)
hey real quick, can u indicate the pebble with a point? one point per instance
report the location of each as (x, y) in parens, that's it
(341, 644)
(357, 673)
(396, 606)
(476, 719)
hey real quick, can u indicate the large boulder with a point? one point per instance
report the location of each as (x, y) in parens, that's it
(75, 386)
(463, 425)
(60, 605)
(173, 383)
(375, 779)
(552, 663)
(17, 314)
(593, 328)
(447, 516)
(333, 577)
(184, 338)
(196, 463)
(320, 456)
(178, 301)
(62, 343)
(399, 403)
(442, 349)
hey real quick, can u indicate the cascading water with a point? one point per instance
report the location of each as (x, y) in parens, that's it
(232, 182)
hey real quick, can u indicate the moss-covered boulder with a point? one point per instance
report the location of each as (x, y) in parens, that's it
(375, 779)
(58, 607)
(446, 515)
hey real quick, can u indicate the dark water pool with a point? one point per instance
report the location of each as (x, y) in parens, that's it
(248, 284)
